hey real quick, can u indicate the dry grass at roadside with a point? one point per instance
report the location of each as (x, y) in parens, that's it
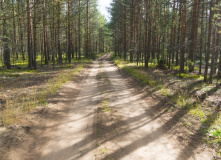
(31, 90)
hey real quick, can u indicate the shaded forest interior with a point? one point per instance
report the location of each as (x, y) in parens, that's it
(37, 33)
(173, 46)
(184, 33)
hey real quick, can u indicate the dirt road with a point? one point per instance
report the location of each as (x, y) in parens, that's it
(108, 119)
(127, 131)
(74, 137)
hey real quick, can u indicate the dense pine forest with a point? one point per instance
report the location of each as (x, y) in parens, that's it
(141, 83)
(176, 33)
(47, 31)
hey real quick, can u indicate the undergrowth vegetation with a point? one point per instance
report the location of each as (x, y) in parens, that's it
(191, 76)
(139, 74)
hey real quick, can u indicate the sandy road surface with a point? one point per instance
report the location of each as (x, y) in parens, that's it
(135, 135)
(74, 138)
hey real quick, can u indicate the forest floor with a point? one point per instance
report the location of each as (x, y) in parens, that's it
(23, 90)
(106, 114)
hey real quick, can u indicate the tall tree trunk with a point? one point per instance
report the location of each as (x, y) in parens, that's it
(53, 37)
(145, 39)
(219, 50)
(132, 31)
(218, 38)
(183, 37)
(69, 33)
(193, 35)
(213, 55)
(73, 39)
(35, 36)
(89, 33)
(149, 33)
(174, 34)
(44, 33)
(219, 69)
(171, 51)
(20, 22)
(154, 37)
(58, 32)
(86, 32)
(125, 31)
(6, 50)
(209, 41)
(30, 54)
(178, 35)
(138, 31)
(79, 31)
(14, 32)
(201, 37)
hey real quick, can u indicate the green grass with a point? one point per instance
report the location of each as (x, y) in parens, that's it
(186, 68)
(186, 122)
(139, 74)
(215, 135)
(19, 106)
(103, 150)
(104, 102)
(214, 132)
(12, 75)
(191, 76)
(198, 112)
(23, 64)
(142, 76)
(166, 91)
(21, 71)
(182, 100)
(105, 107)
